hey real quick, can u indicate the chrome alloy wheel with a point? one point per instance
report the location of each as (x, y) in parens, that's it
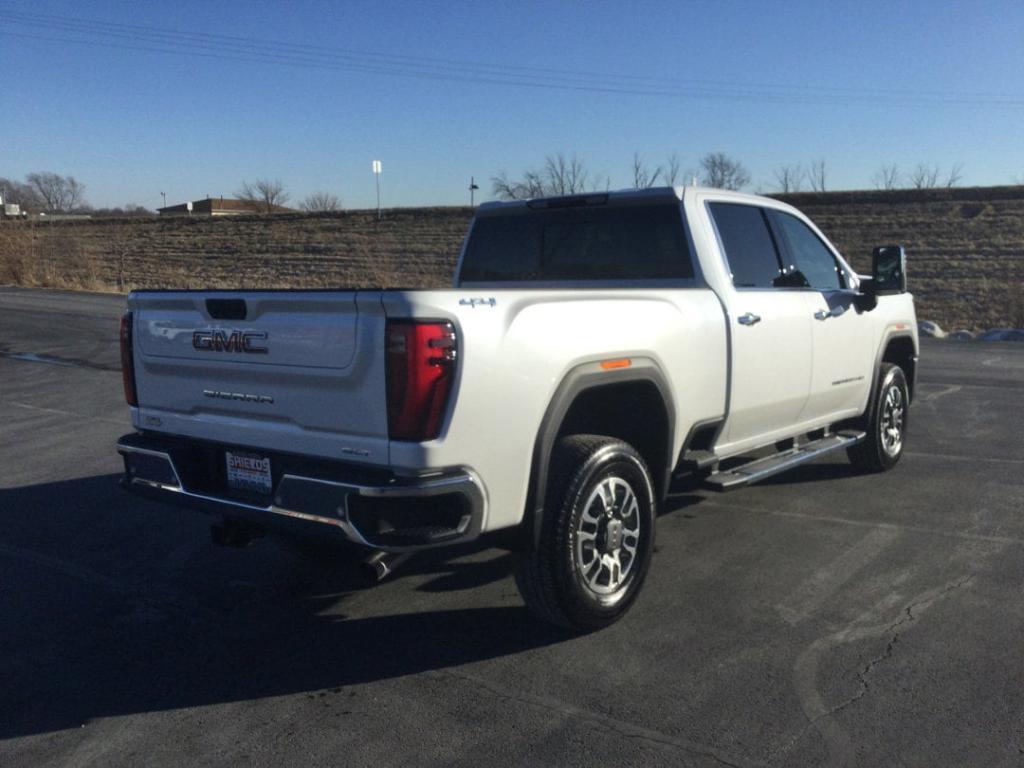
(607, 537)
(891, 425)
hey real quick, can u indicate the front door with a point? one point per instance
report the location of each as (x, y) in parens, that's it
(841, 335)
(842, 356)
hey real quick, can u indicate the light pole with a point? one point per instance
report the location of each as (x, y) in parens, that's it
(472, 188)
(164, 196)
(376, 175)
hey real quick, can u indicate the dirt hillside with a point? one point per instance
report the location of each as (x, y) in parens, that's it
(965, 249)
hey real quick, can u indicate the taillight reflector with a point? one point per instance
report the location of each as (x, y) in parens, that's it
(128, 360)
(420, 372)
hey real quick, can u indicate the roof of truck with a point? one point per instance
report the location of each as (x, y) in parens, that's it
(652, 194)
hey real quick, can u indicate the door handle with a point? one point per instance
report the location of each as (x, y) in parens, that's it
(748, 319)
(836, 311)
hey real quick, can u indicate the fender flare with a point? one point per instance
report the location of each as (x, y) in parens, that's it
(579, 379)
(887, 339)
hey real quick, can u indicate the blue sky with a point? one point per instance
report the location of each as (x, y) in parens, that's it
(858, 84)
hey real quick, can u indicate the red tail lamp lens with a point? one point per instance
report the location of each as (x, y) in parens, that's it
(420, 372)
(128, 361)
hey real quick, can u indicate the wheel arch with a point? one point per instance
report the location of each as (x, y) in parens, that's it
(633, 404)
(899, 349)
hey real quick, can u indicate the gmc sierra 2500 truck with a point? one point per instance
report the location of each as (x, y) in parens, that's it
(593, 349)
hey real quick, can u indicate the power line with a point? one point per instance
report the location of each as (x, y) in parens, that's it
(131, 37)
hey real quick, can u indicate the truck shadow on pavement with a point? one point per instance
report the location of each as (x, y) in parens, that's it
(111, 606)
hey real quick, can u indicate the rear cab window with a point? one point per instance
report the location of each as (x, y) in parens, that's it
(583, 243)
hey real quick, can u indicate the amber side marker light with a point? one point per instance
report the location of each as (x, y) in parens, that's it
(611, 365)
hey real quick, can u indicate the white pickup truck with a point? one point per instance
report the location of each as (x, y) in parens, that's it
(593, 350)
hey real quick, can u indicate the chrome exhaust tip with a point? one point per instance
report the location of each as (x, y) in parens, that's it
(379, 565)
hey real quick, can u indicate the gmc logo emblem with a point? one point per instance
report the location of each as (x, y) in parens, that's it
(222, 341)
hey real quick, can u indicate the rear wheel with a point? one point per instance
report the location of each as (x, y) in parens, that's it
(596, 536)
(885, 423)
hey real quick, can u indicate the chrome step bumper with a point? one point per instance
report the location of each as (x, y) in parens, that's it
(151, 471)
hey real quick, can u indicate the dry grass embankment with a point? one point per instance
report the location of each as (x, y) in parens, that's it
(414, 248)
(965, 249)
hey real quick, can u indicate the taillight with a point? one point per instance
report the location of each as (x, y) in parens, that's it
(420, 372)
(128, 360)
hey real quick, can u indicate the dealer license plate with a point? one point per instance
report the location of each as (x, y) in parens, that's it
(248, 472)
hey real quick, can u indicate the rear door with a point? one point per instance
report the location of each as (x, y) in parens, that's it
(769, 327)
(300, 372)
(842, 337)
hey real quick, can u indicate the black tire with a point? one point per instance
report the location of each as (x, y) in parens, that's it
(885, 423)
(568, 577)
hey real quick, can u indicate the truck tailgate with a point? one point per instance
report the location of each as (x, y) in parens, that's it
(299, 371)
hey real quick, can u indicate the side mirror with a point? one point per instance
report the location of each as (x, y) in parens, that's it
(888, 270)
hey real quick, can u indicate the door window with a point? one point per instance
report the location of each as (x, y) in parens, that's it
(748, 244)
(809, 255)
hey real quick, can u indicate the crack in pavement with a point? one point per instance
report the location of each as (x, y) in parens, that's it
(599, 721)
(805, 671)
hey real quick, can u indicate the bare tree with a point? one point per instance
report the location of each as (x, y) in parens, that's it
(955, 174)
(643, 176)
(723, 172)
(790, 178)
(924, 176)
(565, 175)
(670, 170)
(511, 189)
(58, 193)
(263, 195)
(887, 177)
(816, 175)
(560, 175)
(321, 201)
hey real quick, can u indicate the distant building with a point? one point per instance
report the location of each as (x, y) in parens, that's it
(216, 206)
(10, 210)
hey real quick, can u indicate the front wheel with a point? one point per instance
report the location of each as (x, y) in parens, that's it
(885, 423)
(596, 537)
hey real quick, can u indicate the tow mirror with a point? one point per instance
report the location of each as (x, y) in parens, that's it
(888, 270)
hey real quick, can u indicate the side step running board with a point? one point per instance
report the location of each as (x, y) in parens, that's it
(745, 474)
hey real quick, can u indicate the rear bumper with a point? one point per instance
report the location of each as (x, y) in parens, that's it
(392, 513)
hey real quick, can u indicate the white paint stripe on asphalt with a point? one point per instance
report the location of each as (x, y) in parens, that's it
(809, 596)
(61, 566)
(29, 357)
(949, 389)
(16, 404)
(1001, 540)
(954, 457)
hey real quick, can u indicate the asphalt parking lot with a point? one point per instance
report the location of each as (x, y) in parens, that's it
(822, 617)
